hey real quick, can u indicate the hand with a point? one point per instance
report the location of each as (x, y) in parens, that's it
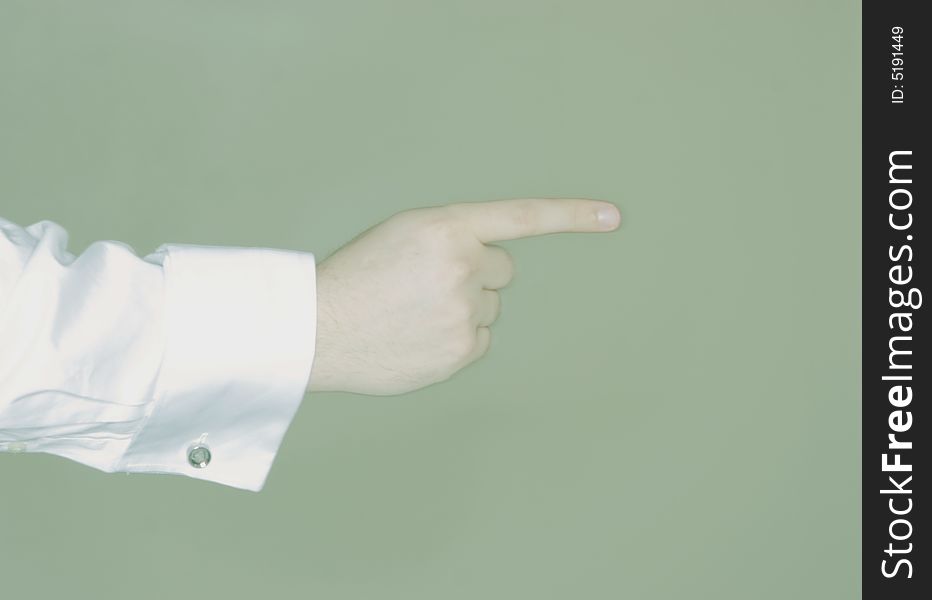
(409, 302)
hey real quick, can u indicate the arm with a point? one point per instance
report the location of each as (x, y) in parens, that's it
(127, 364)
(145, 365)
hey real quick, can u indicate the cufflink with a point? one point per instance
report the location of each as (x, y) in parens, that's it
(199, 456)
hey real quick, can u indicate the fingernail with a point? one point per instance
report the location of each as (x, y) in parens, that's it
(609, 217)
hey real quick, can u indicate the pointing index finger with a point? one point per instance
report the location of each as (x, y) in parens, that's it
(524, 217)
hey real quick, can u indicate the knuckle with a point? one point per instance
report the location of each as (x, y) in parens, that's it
(483, 351)
(584, 216)
(484, 342)
(497, 307)
(462, 344)
(578, 215)
(509, 265)
(503, 264)
(433, 224)
(442, 232)
(524, 219)
(461, 311)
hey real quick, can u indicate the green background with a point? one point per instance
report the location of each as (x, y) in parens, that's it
(668, 411)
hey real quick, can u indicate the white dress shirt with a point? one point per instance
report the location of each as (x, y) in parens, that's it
(192, 360)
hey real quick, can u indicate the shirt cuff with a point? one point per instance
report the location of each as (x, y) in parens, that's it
(240, 331)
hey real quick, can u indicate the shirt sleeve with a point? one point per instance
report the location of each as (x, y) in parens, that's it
(192, 360)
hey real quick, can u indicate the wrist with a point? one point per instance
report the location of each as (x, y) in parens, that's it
(323, 371)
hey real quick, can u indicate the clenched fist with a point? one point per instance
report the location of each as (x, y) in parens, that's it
(409, 302)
